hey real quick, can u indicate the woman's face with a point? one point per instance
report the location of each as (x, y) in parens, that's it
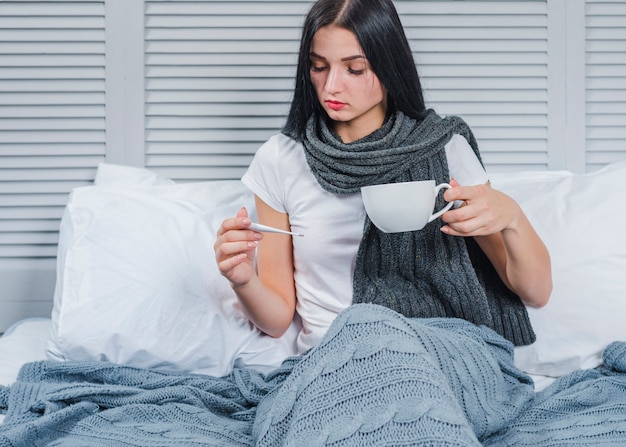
(346, 86)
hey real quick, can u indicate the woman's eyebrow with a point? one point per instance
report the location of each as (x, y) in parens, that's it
(345, 59)
(316, 56)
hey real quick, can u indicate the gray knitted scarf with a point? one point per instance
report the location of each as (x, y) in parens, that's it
(421, 273)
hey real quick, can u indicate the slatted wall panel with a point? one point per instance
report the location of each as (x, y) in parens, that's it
(487, 61)
(219, 76)
(605, 82)
(51, 133)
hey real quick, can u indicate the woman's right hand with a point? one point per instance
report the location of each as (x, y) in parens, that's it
(267, 295)
(235, 248)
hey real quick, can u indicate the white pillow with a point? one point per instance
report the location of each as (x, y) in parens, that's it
(119, 176)
(23, 342)
(137, 281)
(580, 219)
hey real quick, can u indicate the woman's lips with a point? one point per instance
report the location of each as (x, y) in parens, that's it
(335, 105)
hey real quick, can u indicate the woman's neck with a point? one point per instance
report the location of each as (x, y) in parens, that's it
(356, 129)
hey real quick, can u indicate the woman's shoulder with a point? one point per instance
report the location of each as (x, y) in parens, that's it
(279, 142)
(278, 165)
(463, 163)
(458, 141)
(280, 151)
(280, 154)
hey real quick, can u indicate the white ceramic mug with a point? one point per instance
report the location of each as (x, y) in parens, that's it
(406, 206)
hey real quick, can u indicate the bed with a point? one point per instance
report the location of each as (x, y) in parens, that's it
(135, 354)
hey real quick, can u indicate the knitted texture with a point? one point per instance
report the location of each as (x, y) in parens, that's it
(376, 379)
(421, 273)
(584, 408)
(98, 403)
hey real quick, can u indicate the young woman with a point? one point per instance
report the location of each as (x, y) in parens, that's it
(358, 118)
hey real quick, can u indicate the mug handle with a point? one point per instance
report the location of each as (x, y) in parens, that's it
(438, 188)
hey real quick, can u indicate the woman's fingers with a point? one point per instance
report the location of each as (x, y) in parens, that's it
(235, 248)
(484, 211)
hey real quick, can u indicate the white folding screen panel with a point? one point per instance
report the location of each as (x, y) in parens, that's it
(487, 62)
(219, 76)
(52, 134)
(605, 56)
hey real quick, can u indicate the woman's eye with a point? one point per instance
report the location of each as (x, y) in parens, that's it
(317, 68)
(355, 72)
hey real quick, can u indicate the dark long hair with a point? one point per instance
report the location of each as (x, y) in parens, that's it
(380, 33)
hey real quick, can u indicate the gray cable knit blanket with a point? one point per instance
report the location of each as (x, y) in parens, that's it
(376, 379)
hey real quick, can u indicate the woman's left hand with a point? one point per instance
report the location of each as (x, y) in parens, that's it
(484, 211)
(505, 235)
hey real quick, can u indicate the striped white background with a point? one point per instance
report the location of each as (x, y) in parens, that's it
(191, 89)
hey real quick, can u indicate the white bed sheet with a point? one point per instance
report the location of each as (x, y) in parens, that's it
(23, 342)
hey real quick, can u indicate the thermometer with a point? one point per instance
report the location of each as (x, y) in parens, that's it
(264, 228)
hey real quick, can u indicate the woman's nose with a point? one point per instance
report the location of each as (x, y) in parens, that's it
(333, 81)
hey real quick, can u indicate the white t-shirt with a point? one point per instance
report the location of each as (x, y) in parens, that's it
(332, 225)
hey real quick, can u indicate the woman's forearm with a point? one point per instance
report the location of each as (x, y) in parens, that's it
(264, 307)
(521, 259)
